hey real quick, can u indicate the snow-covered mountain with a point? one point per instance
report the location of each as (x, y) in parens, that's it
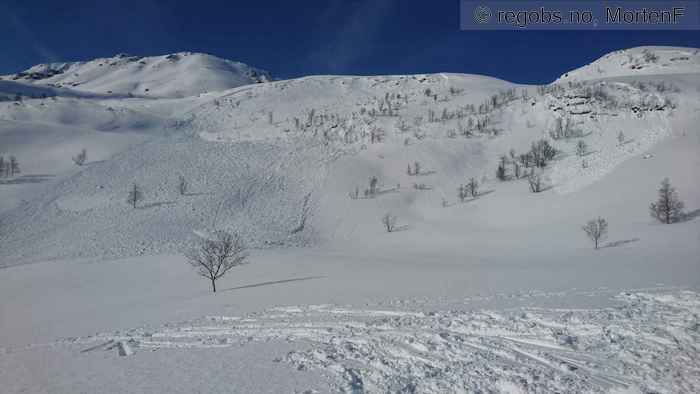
(276, 161)
(639, 61)
(352, 308)
(175, 75)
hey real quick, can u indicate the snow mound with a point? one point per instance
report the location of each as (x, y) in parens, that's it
(649, 60)
(176, 75)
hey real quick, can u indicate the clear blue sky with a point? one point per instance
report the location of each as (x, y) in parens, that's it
(294, 38)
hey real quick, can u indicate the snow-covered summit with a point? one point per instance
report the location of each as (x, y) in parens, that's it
(180, 74)
(639, 61)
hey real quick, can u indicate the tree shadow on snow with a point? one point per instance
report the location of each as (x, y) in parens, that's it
(274, 282)
(688, 216)
(386, 191)
(615, 244)
(24, 179)
(487, 192)
(156, 204)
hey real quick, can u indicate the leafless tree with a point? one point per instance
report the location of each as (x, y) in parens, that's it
(80, 158)
(668, 208)
(182, 185)
(12, 167)
(581, 148)
(389, 222)
(501, 172)
(462, 193)
(373, 181)
(596, 230)
(473, 187)
(215, 257)
(135, 195)
(621, 138)
(355, 194)
(535, 182)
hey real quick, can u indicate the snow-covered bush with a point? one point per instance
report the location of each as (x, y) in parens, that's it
(389, 222)
(80, 158)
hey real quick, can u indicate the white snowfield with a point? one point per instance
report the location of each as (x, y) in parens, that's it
(501, 292)
(640, 61)
(175, 75)
(647, 344)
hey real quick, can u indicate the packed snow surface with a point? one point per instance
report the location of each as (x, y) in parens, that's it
(647, 343)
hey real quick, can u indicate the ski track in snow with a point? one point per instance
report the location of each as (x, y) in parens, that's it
(647, 344)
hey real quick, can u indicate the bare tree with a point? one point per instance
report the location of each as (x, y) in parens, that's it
(182, 185)
(373, 186)
(581, 148)
(473, 187)
(12, 167)
(596, 230)
(135, 195)
(621, 138)
(462, 193)
(80, 158)
(355, 194)
(215, 257)
(535, 182)
(516, 169)
(668, 208)
(389, 222)
(3, 165)
(501, 172)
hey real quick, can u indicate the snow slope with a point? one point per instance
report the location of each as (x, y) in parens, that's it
(639, 61)
(280, 162)
(175, 75)
(308, 143)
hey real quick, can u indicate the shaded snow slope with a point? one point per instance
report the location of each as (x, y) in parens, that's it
(175, 75)
(260, 190)
(640, 61)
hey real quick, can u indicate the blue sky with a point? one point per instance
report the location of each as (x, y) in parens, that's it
(295, 38)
